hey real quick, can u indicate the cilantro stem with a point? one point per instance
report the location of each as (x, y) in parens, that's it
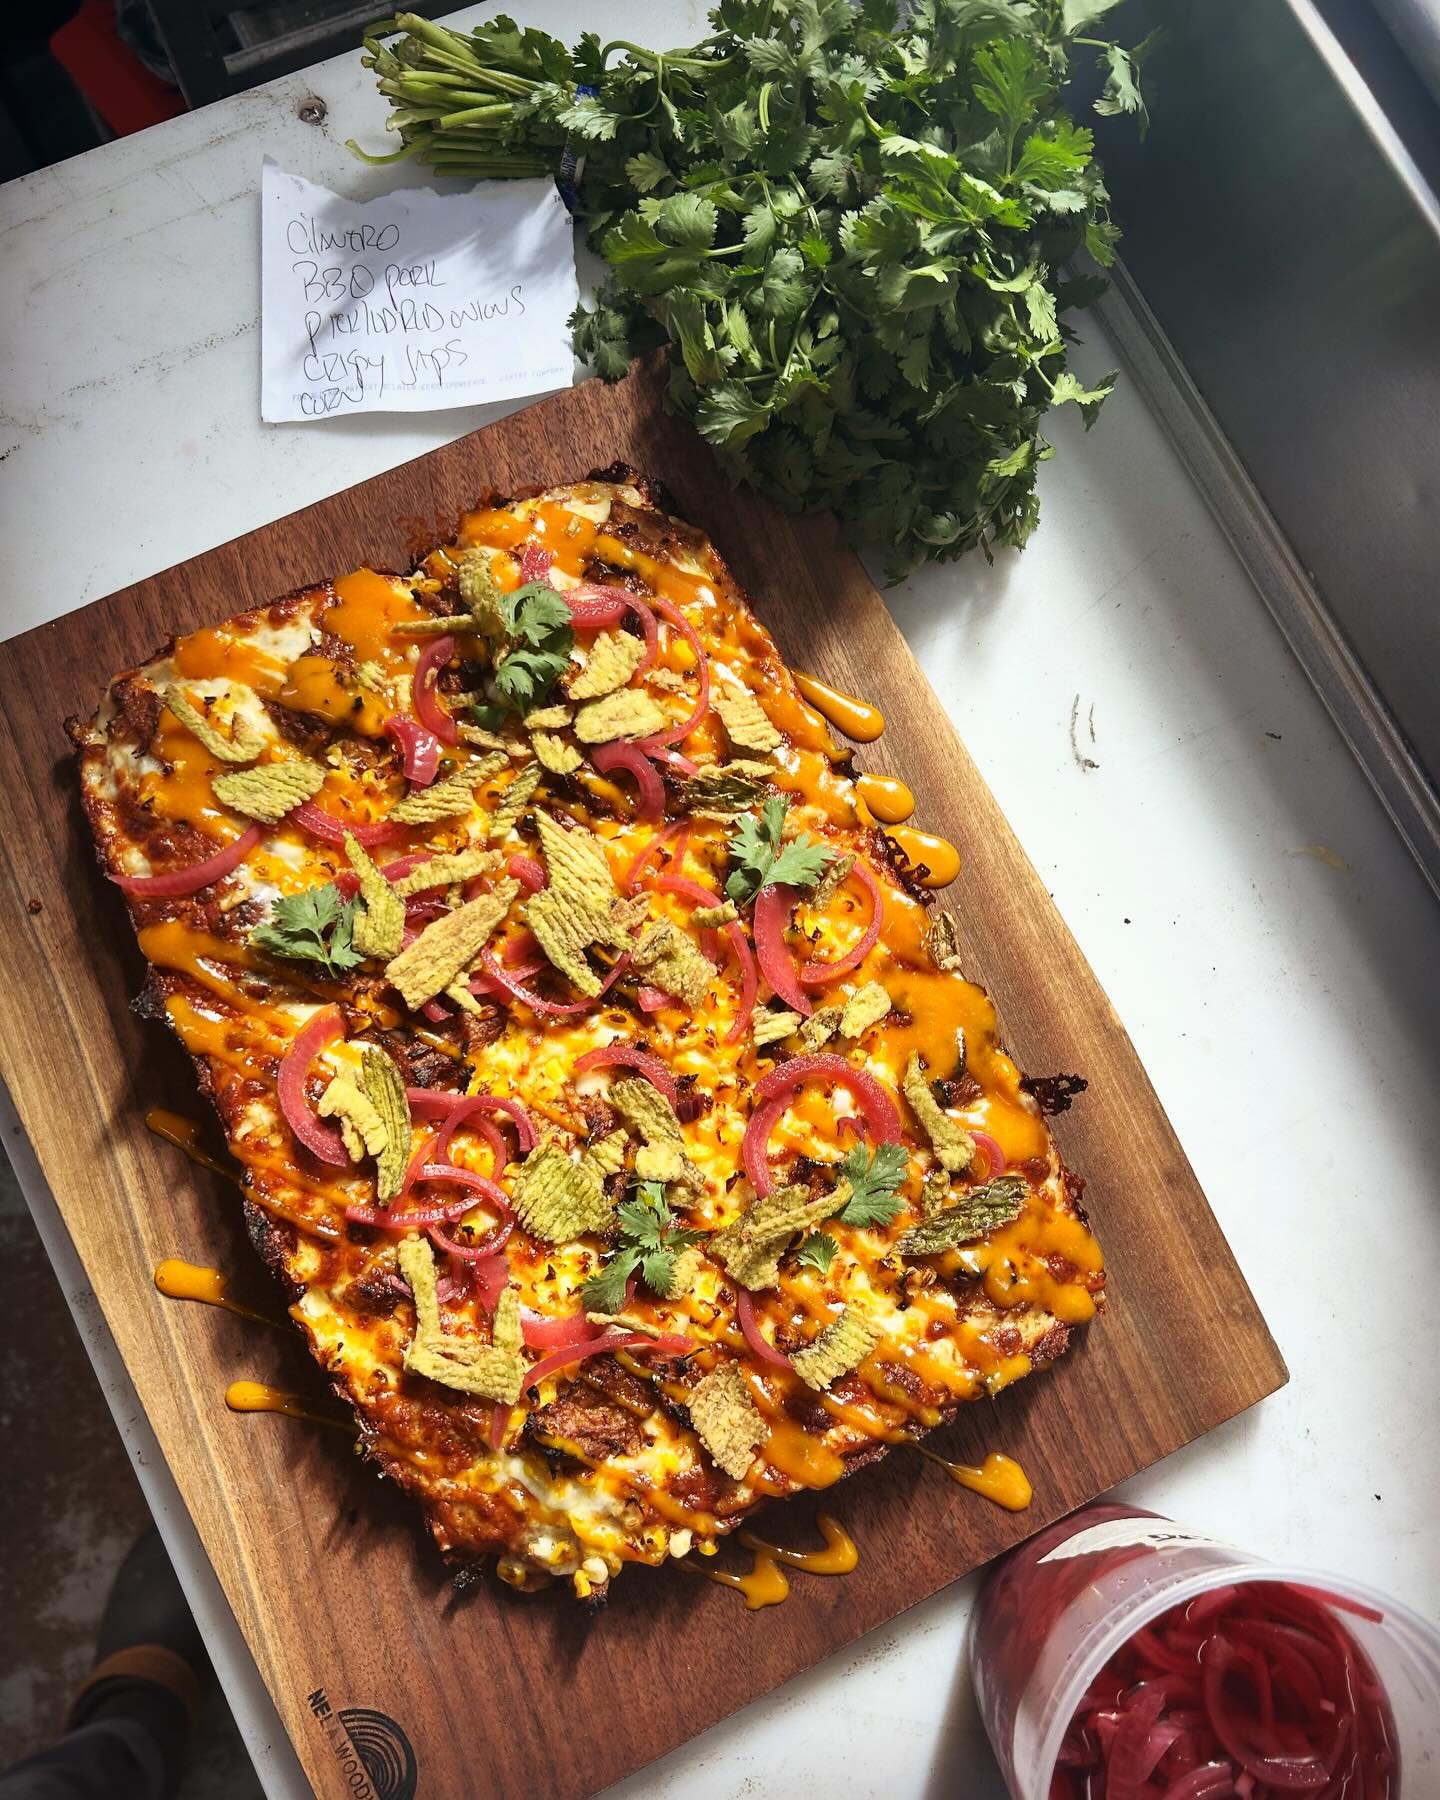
(648, 58)
(375, 161)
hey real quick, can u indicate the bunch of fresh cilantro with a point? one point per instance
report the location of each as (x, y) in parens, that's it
(847, 219)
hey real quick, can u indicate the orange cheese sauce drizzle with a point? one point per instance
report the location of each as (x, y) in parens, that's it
(259, 1396)
(765, 1582)
(958, 1341)
(885, 797)
(857, 719)
(184, 1134)
(180, 1280)
(936, 856)
(999, 1478)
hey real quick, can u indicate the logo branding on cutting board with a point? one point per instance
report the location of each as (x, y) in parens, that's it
(376, 1758)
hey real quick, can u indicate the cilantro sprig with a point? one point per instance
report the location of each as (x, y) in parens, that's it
(649, 1241)
(313, 926)
(538, 625)
(818, 1251)
(763, 856)
(874, 1184)
(847, 220)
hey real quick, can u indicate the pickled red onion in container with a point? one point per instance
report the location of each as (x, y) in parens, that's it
(1118, 1656)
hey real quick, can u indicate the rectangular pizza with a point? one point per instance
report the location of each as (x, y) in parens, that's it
(606, 1094)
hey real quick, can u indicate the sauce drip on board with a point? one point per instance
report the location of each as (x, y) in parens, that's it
(765, 1582)
(939, 856)
(858, 719)
(999, 1478)
(179, 1280)
(885, 797)
(184, 1134)
(259, 1396)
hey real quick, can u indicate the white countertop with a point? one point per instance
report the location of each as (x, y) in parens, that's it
(1223, 863)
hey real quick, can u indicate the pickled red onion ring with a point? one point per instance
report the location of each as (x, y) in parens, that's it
(650, 790)
(668, 1345)
(629, 1057)
(330, 830)
(347, 882)
(739, 944)
(773, 908)
(755, 1146)
(773, 1092)
(750, 1329)
(411, 1217)
(676, 734)
(320, 1140)
(535, 561)
(430, 1103)
(199, 875)
(602, 606)
(994, 1155)
(419, 749)
(1249, 1687)
(428, 709)
(493, 1242)
(542, 1333)
(529, 873)
(552, 1009)
(631, 877)
(821, 972)
(465, 1114)
(749, 980)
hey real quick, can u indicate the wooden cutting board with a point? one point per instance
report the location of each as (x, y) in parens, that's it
(375, 1663)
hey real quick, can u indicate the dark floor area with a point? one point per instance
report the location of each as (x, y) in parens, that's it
(73, 1509)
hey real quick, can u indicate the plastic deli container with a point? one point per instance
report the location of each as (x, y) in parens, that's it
(1055, 1610)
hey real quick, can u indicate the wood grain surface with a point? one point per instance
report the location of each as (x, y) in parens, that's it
(326, 1568)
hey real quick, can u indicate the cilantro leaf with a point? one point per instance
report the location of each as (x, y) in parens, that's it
(313, 926)
(1122, 83)
(534, 612)
(646, 171)
(1012, 82)
(874, 1181)
(1080, 13)
(762, 858)
(817, 1252)
(800, 863)
(587, 118)
(729, 414)
(1067, 387)
(605, 1292)
(488, 717)
(657, 1267)
(688, 219)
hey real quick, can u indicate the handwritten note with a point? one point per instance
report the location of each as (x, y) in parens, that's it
(412, 301)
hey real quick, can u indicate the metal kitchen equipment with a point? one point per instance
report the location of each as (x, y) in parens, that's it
(1280, 304)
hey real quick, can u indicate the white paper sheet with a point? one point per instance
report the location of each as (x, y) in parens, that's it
(412, 301)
